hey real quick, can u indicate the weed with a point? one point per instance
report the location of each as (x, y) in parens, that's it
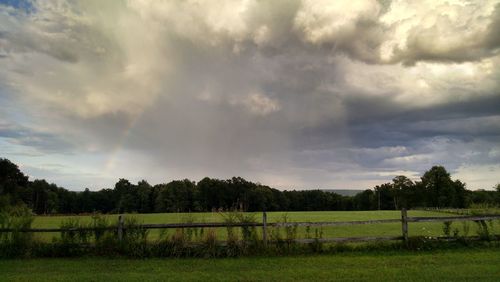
(317, 246)
(209, 246)
(482, 230)
(465, 228)
(16, 243)
(193, 233)
(135, 238)
(447, 228)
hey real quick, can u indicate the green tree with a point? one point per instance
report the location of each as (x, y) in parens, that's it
(366, 200)
(440, 190)
(497, 189)
(385, 196)
(146, 203)
(402, 191)
(13, 183)
(128, 196)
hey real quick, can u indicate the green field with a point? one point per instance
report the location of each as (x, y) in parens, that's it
(386, 229)
(451, 265)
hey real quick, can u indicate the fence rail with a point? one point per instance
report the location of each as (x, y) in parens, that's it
(453, 218)
(120, 227)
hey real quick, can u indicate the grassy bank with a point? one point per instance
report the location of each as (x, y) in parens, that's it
(450, 265)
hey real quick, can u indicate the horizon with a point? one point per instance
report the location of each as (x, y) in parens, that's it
(285, 93)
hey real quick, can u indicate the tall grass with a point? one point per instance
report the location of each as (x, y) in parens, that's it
(244, 241)
(16, 243)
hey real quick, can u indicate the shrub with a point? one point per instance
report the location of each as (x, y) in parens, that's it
(193, 234)
(317, 246)
(209, 246)
(284, 243)
(73, 233)
(233, 247)
(16, 243)
(100, 223)
(447, 228)
(482, 230)
(465, 228)
(135, 239)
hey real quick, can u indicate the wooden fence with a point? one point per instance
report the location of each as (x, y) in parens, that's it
(404, 220)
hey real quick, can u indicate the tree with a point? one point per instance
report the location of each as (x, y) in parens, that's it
(385, 196)
(366, 200)
(128, 196)
(437, 184)
(402, 191)
(460, 197)
(40, 196)
(13, 182)
(146, 203)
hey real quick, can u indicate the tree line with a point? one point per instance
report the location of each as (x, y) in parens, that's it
(435, 189)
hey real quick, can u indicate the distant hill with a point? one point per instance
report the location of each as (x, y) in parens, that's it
(343, 192)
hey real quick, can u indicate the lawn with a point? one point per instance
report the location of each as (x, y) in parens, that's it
(386, 229)
(450, 265)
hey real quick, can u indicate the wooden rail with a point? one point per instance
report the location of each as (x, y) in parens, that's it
(120, 227)
(348, 239)
(139, 226)
(453, 218)
(333, 223)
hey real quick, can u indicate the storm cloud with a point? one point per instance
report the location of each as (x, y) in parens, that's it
(294, 94)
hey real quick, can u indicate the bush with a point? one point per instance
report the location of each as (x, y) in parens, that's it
(284, 243)
(209, 247)
(135, 239)
(16, 243)
(447, 228)
(482, 230)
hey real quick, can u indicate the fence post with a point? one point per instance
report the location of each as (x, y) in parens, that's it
(120, 227)
(264, 228)
(404, 224)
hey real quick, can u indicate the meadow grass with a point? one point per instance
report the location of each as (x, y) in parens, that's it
(444, 265)
(386, 229)
(312, 216)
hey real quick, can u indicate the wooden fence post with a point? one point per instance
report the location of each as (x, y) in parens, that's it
(120, 227)
(404, 224)
(264, 228)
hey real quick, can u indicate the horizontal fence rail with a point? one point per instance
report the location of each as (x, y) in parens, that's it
(334, 223)
(404, 220)
(453, 218)
(49, 230)
(348, 239)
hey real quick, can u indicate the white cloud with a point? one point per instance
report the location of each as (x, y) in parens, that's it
(314, 91)
(323, 21)
(478, 176)
(438, 31)
(258, 104)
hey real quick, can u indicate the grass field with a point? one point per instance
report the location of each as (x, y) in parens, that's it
(386, 229)
(450, 265)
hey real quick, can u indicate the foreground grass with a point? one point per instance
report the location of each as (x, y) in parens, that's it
(450, 265)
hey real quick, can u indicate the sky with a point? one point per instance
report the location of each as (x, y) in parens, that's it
(293, 94)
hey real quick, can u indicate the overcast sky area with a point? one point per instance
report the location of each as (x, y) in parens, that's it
(292, 94)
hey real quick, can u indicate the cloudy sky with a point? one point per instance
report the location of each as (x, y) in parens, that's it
(292, 94)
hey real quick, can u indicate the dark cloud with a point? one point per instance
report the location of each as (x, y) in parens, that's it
(289, 93)
(44, 142)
